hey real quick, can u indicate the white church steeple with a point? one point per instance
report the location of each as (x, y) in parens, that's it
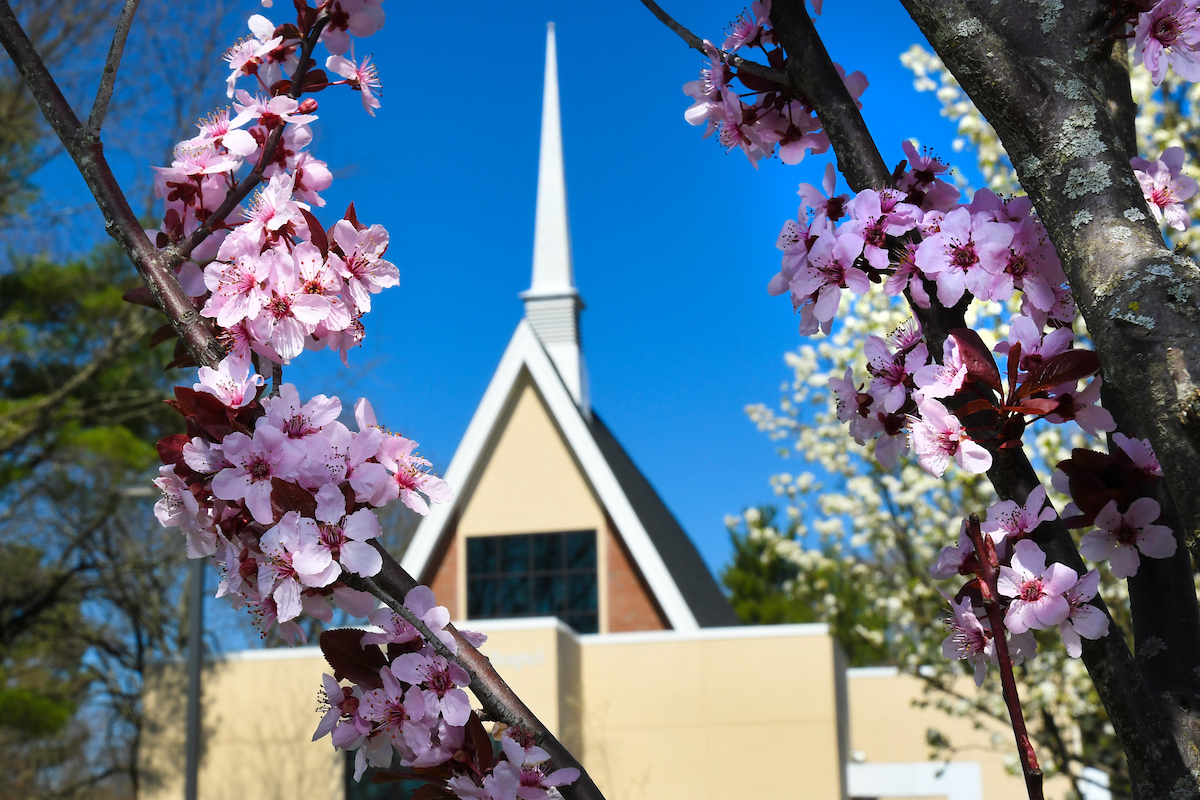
(552, 302)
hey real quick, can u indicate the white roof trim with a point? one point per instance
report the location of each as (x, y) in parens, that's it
(524, 350)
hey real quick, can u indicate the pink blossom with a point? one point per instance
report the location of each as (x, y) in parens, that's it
(1034, 347)
(941, 380)
(238, 287)
(362, 77)
(1008, 522)
(965, 254)
(440, 682)
(825, 206)
(289, 317)
(420, 601)
(1080, 406)
(1119, 537)
(892, 373)
(393, 628)
(501, 784)
(1141, 453)
(360, 18)
(178, 508)
(279, 575)
(340, 537)
(298, 422)
(829, 270)
(401, 715)
(233, 382)
(362, 264)
(736, 129)
(937, 435)
(341, 718)
(968, 640)
(1165, 187)
(1171, 28)
(952, 557)
(254, 463)
(1037, 591)
(707, 91)
(1084, 619)
(409, 480)
(922, 184)
(245, 57)
(272, 208)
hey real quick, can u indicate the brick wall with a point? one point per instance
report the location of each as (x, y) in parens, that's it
(445, 580)
(630, 605)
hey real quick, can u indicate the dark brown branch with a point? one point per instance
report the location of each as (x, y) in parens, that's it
(391, 585)
(120, 221)
(111, 64)
(735, 61)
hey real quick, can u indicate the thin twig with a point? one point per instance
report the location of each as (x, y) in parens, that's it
(989, 573)
(735, 61)
(111, 64)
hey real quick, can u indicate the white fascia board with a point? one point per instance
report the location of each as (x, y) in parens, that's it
(958, 780)
(524, 349)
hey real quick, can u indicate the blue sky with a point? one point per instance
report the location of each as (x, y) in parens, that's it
(673, 240)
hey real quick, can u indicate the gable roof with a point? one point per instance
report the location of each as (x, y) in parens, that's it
(662, 552)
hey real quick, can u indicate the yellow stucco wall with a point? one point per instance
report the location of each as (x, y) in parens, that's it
(258, 721)
(888, 725)
(531, 484)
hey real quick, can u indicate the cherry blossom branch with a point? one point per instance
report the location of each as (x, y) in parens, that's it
(121, 223)
(735, 61)
(989, 573)
(1152, 752)
(390, 585)
(178, 253)
(111, 64)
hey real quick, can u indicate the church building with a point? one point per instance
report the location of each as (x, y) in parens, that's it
(600, 614)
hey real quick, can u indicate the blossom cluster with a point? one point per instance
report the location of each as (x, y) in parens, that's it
(279, 492)
(915, 239)
(406, 699)
(276, 282)
(775, 119)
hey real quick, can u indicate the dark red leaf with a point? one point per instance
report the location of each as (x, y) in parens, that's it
(1038, 406)
(142, 296)
(287, 30)
(205, 407)
(755, 83)
(161, 335)
(182, 357)
(352, 218)
(974, 407)
(287, 496)
(977, 358)
(1068, 367)
(315, 80)
(478, 738)
(316, 232)
(431, 792)
(351, 661)
(280, 87)
(170, 448)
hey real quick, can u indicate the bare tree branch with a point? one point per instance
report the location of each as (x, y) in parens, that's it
(735, 61)
(109, 76)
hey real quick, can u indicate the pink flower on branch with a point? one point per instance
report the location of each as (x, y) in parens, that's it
(937, 436)
(1084, 620)
(1168, 35)
(1037, 590)
(1120, 537)
(1165, 187)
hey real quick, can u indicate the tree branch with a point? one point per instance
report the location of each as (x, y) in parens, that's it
(109, 76)
(735, 61)
(498, 700)
(120, 221)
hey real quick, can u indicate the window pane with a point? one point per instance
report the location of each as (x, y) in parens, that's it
(582, 623)
(548, 594)
(514, 554)
(581, 550)
(514, 597)
(547, 552)
(581, 592)
(481, 598)
(481, 556)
